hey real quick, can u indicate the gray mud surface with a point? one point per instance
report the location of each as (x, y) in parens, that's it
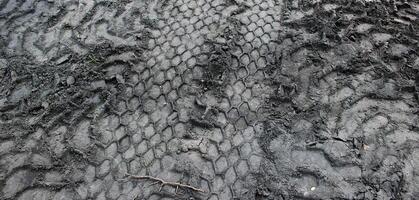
(258, 99)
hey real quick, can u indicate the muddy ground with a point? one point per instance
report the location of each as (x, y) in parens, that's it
(260, 99)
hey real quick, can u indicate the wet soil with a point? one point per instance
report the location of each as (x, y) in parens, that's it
(262, 99)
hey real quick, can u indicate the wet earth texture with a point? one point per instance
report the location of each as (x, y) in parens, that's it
(258, 99)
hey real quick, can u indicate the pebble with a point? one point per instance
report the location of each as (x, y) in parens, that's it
(70, 80)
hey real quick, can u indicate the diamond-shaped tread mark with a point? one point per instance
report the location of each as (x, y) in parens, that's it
(233, 114)
(254, 17)
(170, 74)
(266, 5)
(180, 50)
(191, 62)
(103, 169)
(249, 37)
(115, 191)
(136, 137)
(245, 20)
(148, 157)
(143, 121)
(139, 89)
(166, 88)
(217, 135)
(242, 168)
(186, 55)
(197, 72)
(225, 194)
(237, 140)
(111, 150)
(218, 183)
(224, 104)
(233, 157)
(257, 43)
(255, 55)
(129, 154)
(176, 82)
(175, 41)
(260, 23)
(133, 104)
(245, 150)
(246, 96)
(229, 131)
(236, 100)
(142, 148)
(127, 118)
(150, 106)
(221, 165)
(154, 92)
(167, 134)
(254, 104)
(242, 73)
(180, 31)
(254, 162)
(225, 146)
(155, 140)
(245, 59)
(124, 144)
(160, 150)
(213, 151)
(155, 168)
(135, 166)
(159, 78)
(230, 175)
(149, 131)
(156, 116)
(241, 123)
(172, 96)
(213, 197)
(249, 133)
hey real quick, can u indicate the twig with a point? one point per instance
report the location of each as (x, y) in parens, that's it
(163, 183)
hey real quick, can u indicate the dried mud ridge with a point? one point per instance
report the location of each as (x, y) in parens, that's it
(260, 99)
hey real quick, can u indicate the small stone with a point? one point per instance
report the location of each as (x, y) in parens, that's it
(71, 80)
(45, 104)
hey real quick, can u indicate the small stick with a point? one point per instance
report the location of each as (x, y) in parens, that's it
(163, 183)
